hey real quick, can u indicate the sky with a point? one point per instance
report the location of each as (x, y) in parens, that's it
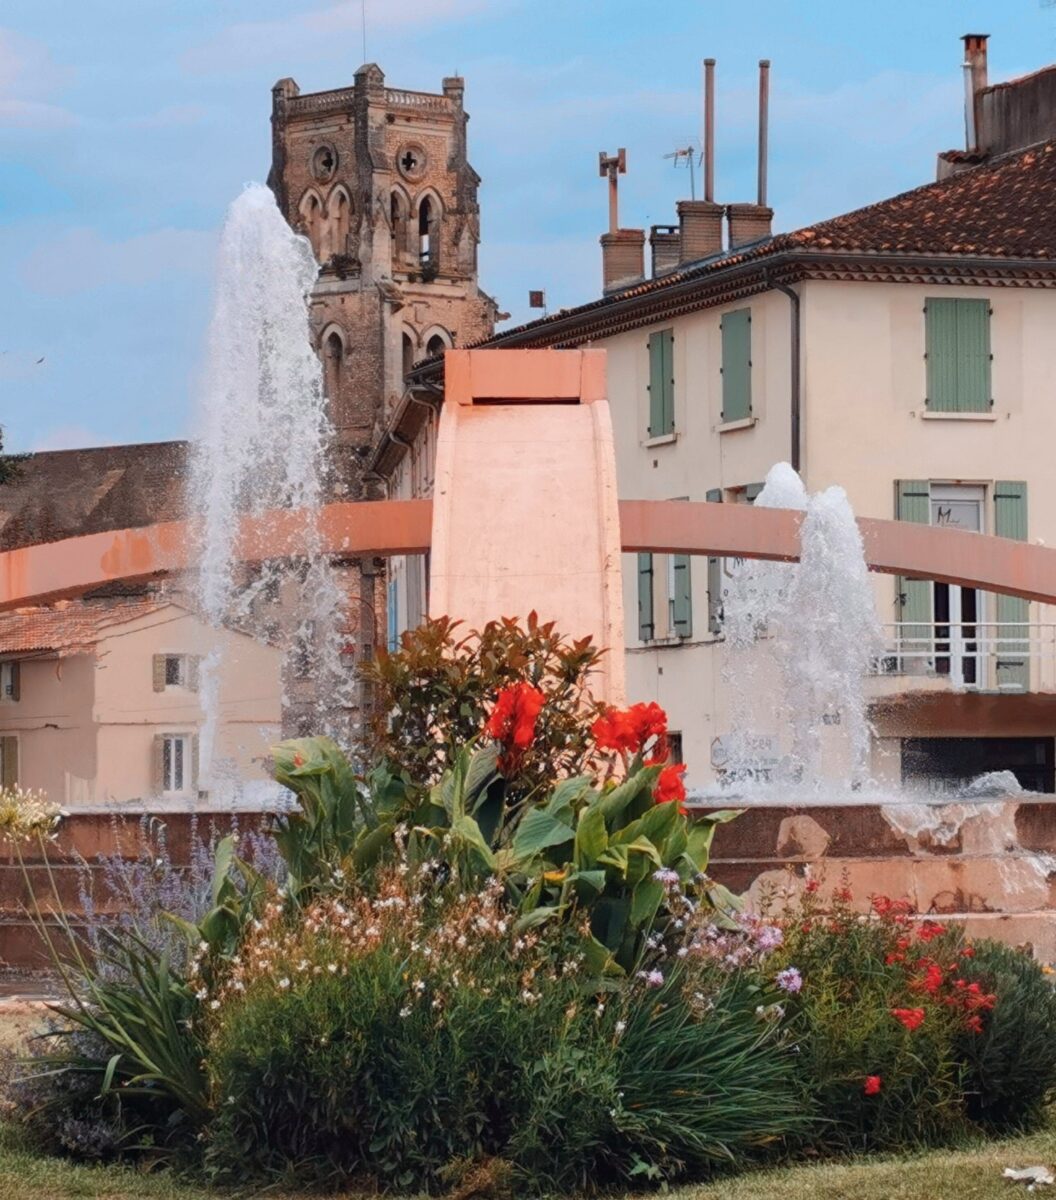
(128, 126)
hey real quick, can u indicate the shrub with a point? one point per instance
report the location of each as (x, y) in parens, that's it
(386, 1037)
(876, 1016)
(1011, 1061)
(433, 695)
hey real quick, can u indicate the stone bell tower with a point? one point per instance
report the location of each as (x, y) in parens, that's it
(377, 178)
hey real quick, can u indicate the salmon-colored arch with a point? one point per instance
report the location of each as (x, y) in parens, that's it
(52, 570)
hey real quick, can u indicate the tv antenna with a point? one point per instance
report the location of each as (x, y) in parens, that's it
(686, 155)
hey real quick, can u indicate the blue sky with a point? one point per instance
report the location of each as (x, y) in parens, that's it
(126, 127)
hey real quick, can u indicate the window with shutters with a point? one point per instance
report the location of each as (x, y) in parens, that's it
(392, 613)
(736, 368)
(661, 383)
(10, 677)
(957, 352)
(176, 671)
(679, 596)
(646, 619)
(9, 761)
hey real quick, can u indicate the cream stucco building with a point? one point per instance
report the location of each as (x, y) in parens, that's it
(100, 702)
(903, 351)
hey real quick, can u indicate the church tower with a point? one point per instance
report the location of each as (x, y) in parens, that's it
(377, 178)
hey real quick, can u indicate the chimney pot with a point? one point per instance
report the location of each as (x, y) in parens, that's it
(975, 56)
(749, 223)
(700, 229)
(622, 258)
(664, 242)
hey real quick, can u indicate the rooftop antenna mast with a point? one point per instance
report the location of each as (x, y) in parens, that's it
(686, 155)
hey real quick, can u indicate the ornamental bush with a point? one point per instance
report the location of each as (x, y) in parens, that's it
(392, 1033)
(1010, 1073)
(880, 1018)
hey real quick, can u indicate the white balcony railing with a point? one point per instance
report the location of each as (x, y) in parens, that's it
(980, 656)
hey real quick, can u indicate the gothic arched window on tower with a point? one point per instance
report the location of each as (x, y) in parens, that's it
(311, 210)
(408, 353)
(333, 356)
(426, 229)
(339, 213)
(400, 222)
(436, 345)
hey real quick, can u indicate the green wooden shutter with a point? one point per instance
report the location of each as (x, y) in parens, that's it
(957, 338)
(1010, 520)
(714, 496)
(661, 383)
(646, 621)
(194, 672)
(159, 672)
(8, 762)
(682, 600)
(737, 365)
(973, 350)
(913, 596)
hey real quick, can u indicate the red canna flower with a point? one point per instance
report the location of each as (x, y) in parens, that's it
(932, 979)
(669, 787)
(911, 1018)
(872, 1085)
(974, 1024)
(627, 730)
(512, 722)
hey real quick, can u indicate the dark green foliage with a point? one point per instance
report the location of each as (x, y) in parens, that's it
(842, 1019)
(387, 1075)
(433, 694)
(1011, 1064)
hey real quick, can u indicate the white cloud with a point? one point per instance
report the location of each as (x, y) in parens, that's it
(28, 76)
(248, 42)
(81, 259)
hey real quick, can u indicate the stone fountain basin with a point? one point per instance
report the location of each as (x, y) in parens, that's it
(988, 862)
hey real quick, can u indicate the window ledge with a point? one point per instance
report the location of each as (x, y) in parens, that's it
(664, 439)
(730, 426)
(958, 416)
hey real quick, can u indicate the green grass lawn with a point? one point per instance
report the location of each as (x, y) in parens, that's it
(969, 1174)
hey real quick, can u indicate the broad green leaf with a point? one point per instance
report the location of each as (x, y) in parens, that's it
(538, 831)
(538, 916)
(468, 831)
(591, 837)
(721, 816)
(645, 901)
(222, 860)
(588, 884)
(660, 822)
(598, 959)
(371, 846)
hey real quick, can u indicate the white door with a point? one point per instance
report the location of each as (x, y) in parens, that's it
(958, 611)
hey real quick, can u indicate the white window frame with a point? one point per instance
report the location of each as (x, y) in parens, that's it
(169, 763)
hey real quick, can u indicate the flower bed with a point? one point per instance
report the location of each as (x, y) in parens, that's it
(501, 963)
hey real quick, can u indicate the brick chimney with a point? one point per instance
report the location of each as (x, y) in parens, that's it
(700, 229)
(748, 223)
(622, 258)
(664, 242)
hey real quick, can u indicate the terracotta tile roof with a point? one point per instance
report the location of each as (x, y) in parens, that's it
(66, 493)
(1002, 210)
(67, 627)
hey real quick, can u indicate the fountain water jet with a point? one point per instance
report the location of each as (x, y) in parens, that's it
(262, 446)
(799, 640)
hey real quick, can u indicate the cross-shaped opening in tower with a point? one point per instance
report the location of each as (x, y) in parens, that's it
(409, 161)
